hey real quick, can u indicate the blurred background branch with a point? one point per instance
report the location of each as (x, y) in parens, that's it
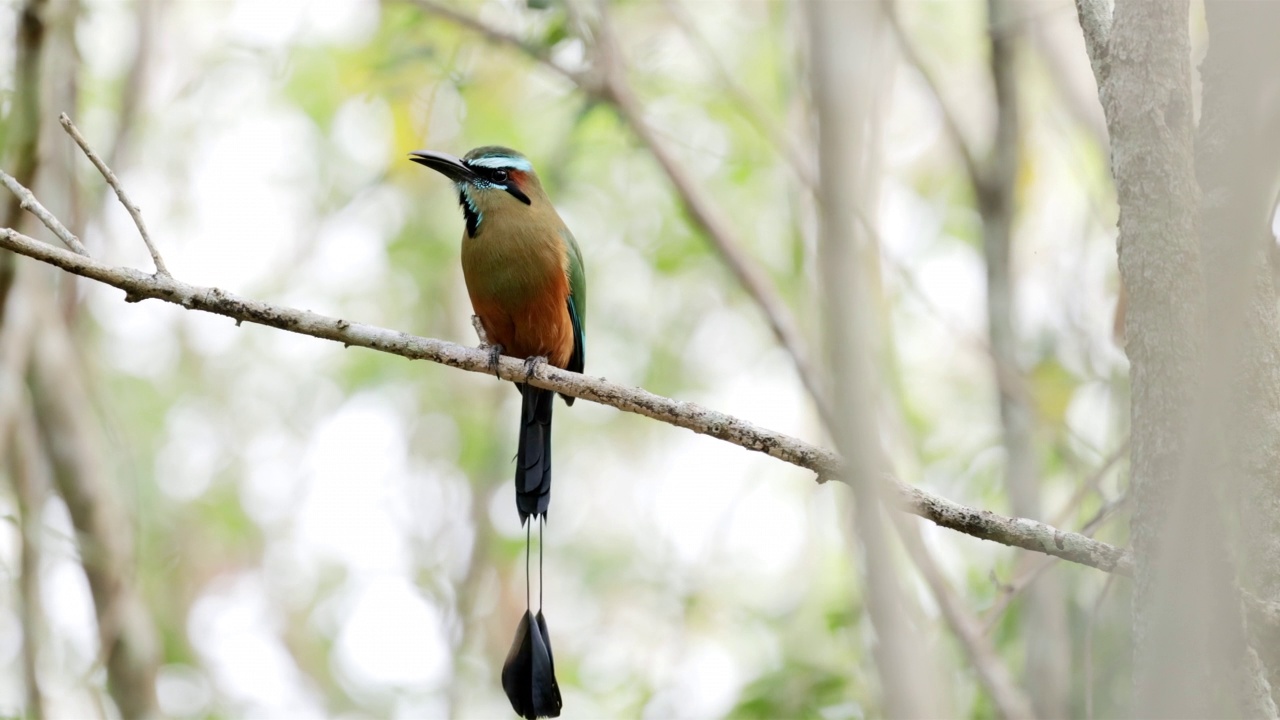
(47, 424)
(607, 82)
(129, 648)
(31, 477)
(843, 91)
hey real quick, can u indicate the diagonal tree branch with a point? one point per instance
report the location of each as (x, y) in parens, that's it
(110, 177)
(27, 201)
(616, 89)
(799, 158)
(992, 672)
(129, 649)
(608, 83)
(138, 285)
(950, 118)
(496, 36)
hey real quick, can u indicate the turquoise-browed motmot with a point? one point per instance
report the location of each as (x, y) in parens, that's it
(524, 274)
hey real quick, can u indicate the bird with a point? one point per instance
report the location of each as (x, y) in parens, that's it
(525, 277)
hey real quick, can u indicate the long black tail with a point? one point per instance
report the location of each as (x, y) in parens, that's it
(533, 457)
(529, 674)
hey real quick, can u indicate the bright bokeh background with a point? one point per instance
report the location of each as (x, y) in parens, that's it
(330, 532)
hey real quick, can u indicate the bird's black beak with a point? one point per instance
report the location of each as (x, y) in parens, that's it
(445, 164)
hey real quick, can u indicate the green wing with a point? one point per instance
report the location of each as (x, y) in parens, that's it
(577, 304)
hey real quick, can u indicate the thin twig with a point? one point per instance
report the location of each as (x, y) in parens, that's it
(1030, 568)
(1005, 694)
(801, 162)
(608, 84)
(133, 93)
(1043, 564)
(111, 179)
(616, 90)
(1091, 483)
(28, 202)
(137, 285)
(495, 36)
(950, 119)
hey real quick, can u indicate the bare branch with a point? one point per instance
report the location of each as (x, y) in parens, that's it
(480, 333)
(128, 643)
(800, 159)
(609, 85)
(1005, 694)
(495, 36)
(137, 285)
(110, 177)
(950, 119)
(31, 487)
(616, 90)
(1091, 483)
(28, 202)
(1040, 565)
(1016, 532)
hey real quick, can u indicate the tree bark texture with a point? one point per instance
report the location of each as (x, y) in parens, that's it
(1188, 649)
(1237, 163)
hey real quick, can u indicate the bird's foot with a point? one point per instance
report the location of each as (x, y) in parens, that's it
(495, 354)
(531, 365)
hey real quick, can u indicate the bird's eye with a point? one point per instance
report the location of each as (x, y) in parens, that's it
(500, 175)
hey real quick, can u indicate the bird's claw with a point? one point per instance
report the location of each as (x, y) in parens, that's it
(531, 365)
(495, 354)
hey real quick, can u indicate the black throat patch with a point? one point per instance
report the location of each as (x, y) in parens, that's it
(469, 211)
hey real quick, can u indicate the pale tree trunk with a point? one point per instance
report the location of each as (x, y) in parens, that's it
(1044, 620)
(30, 476)
(843, 41)
(1190, 653)
(1238, 163)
